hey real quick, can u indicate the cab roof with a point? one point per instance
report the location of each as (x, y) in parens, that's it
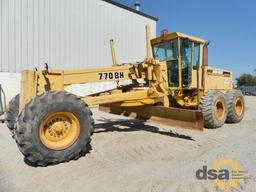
(176, 35)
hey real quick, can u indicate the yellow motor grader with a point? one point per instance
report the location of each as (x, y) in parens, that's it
(173, 86)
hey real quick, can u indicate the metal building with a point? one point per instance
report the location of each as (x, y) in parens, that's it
(68, 34)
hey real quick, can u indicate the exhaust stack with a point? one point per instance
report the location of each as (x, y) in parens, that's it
(137, 6)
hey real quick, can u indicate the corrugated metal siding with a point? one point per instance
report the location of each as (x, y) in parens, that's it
(68, 34)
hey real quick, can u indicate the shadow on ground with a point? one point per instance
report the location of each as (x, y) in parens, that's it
(125, 125)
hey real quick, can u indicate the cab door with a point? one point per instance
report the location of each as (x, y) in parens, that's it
(190, 62)
(186, 61)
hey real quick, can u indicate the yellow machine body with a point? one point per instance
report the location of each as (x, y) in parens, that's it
(161, 95)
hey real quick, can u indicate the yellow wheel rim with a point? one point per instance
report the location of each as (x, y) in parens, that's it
(239, 107)
(59, 130)
(219, 110)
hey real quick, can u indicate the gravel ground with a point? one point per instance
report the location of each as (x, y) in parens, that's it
(128, 155)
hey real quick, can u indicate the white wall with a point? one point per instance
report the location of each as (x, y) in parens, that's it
(68, 34)
(10, 83)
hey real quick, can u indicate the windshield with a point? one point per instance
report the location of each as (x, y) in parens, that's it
(166, 50)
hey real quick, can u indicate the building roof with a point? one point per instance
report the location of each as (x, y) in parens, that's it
(130, 9)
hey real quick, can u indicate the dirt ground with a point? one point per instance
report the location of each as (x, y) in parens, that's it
(128, 156)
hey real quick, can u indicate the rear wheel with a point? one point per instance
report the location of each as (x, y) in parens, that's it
(54, 127)
(12, 112)
(236, 106)
(214, 108)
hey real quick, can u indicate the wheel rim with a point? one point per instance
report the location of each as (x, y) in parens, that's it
(219, 110)
(239, 107)
(59, 130)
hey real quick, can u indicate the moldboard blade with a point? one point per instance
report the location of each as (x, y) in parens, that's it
(181, 118)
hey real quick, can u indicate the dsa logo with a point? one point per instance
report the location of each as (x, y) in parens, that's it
(212, 174)
(224, 173)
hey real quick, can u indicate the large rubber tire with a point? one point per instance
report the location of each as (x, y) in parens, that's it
(12, 112)
(207, 106)
(28, 126)
(235, 98)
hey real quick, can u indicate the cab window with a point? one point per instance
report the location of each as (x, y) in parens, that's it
(169, 51)
(166, 50)
(196, 56)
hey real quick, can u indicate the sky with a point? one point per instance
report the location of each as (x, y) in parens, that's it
(230, 26)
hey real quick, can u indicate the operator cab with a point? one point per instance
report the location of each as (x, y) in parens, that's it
(178, 48)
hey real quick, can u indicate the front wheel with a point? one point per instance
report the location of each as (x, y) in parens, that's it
(54, 127)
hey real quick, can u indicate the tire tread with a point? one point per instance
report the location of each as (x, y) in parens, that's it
(12, 113)
(206, 107)
(231, 95)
